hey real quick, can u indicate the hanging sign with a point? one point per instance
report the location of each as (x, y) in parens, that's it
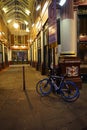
(52, 22)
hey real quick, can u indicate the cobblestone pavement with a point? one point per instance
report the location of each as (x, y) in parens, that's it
(26, 110)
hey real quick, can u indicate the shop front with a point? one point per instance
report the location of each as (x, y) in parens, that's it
(82, 33)
(19, 56)
(82, 40)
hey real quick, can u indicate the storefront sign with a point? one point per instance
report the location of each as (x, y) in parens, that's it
(52, 22)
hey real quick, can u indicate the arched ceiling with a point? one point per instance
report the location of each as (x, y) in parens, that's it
(21, 11)
(17, 10)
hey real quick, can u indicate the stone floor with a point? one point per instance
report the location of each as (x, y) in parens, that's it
(26, 110)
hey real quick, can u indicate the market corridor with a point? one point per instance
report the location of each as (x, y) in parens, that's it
(26, 110)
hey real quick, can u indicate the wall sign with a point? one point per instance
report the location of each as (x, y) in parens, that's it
(72, 71)
(52, 22)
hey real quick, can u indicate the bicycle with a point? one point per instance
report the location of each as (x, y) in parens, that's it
(68, 90)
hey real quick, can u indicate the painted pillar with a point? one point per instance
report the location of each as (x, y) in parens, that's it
(42, 53)
(9, 55)
(41, 46)
(3, 53)
(68, 29)
(28, 50)
(75, 31)
(36, 52)
(29, 54)
(36, 55)
(32, 53)
(3, 50)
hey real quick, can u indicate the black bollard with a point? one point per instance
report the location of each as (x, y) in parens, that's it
(23, 78)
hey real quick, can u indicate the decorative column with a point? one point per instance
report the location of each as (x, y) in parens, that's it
(9, 56)
(36, 55)
(3, 55)
(42, 46)
(42, 54)
(68, 29)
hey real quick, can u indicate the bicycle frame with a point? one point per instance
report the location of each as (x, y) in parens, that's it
(56, 87)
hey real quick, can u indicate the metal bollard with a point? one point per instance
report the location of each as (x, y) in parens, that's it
(23, 78)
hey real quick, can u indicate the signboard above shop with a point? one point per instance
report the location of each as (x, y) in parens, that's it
(52, 22)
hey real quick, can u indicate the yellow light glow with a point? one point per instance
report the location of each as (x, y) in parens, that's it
(23, 46)
(38, 7)
(31, 40)
(37, 24)
(5, 10)
(27, 30)
(26, 22)
(16, 25)
(27, 11)
(44, 7)
(0, 33)
(9, 20)
(32, 24)
(15, 46)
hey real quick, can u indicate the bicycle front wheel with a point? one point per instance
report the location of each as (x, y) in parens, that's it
(43, 87)
(70, 91)
(38, 85)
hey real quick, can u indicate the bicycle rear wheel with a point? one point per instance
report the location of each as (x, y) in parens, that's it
(43, 87)
(70, 91)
